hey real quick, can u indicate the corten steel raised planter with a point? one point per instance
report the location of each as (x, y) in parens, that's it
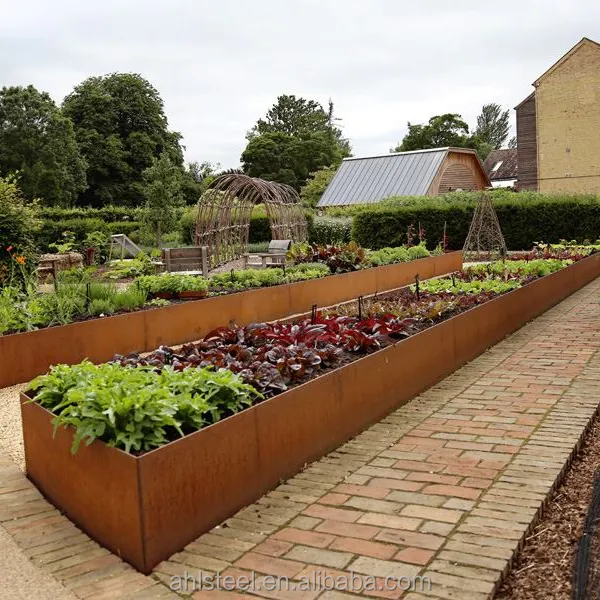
(147, 508)
(23, 356)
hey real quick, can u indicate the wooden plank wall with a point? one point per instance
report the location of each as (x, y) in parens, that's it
(458, 171)
(527, 178)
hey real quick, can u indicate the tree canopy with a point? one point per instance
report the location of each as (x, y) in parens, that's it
(37, 142)
(492, 125)
(287, 159)
(441, 131)
(296, 138)
(313, 189)
(121, 127)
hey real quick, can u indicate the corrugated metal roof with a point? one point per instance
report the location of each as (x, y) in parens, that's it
(372, 179)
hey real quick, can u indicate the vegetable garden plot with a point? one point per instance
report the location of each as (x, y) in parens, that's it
(148, 504)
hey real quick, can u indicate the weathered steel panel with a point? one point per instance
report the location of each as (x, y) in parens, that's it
(26, 355)
(190, 485)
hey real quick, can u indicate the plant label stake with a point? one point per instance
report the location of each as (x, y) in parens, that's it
(453, 280)
(360, 307)
(232, 276)
(444, 242)
(417, 286)
(313, 314)
(88, 299)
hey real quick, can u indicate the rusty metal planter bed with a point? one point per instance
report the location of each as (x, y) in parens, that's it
(148, 507)
(26, 355)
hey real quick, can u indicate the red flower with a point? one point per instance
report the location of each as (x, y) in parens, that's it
(9, 248)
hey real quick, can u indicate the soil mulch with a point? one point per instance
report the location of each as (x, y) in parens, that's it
(544, 567)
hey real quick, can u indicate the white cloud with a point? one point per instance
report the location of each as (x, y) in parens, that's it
(220, 65)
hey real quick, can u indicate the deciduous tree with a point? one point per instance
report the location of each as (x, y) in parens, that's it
(318, 181)
(38, 144)
(163, 193)
(440, 131)
(296, 137)
(492, 125)
(121, 127)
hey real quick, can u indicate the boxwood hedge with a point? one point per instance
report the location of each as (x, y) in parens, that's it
(524, 218)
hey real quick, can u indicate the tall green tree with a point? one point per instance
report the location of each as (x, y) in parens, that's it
(440, 131)
(492, 125)
(163, 192)
(287, 159)
(37, 142)
(317, 183)
(296, 137)
(121, 127)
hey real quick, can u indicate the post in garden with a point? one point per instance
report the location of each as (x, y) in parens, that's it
(485, 235)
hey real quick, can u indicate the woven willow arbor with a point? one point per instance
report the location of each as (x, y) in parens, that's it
(224, 212)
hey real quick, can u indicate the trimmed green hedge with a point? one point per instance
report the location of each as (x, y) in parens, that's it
(52, 231)
(125, 227)
(109, 214)
(524, 218)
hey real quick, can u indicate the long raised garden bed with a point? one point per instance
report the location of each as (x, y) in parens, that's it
(26, 355)
(148, 507)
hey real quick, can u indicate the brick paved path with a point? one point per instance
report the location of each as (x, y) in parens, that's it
(446, 487)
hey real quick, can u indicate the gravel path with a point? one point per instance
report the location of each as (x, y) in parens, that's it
(11, 435)
(21, 579)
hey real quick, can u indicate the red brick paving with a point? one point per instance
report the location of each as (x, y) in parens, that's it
(445, 487)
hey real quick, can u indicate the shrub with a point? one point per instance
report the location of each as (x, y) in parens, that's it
(19, 224)
(315, 186)
(525, 218)
(134, 267)
(339, 259)
(260, 228)
(330, 230)
(187, 224)
(101, 306)
(52, 231)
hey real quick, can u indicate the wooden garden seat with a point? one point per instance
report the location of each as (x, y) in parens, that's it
(275, 257)
(188, 260)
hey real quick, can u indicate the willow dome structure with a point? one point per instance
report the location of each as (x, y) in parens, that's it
(225, 209)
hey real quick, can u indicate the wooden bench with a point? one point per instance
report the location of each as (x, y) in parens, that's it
(190, 260)
(275, 257)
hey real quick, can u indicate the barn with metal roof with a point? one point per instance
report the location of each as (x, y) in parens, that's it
(419, 173)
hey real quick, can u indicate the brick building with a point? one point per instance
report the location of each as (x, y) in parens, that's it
(558, 123)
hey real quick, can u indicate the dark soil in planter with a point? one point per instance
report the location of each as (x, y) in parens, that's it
(544, 567)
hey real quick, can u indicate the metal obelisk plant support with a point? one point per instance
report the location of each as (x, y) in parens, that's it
(485, 238)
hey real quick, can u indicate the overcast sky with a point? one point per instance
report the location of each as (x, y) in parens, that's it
(219, 65)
